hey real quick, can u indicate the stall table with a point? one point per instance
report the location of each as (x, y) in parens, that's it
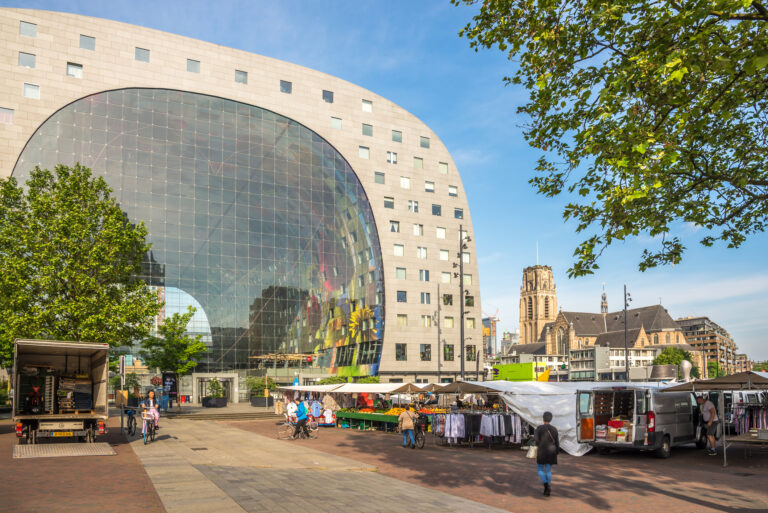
(373, 418)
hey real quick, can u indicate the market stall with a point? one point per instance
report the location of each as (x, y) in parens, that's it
(367, 413)
(321, 404)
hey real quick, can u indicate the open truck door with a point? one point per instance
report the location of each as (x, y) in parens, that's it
(585, 416)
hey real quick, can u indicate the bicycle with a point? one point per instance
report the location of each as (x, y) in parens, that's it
(286, 429)
(131, 427)
(420, 431)
(148, 426)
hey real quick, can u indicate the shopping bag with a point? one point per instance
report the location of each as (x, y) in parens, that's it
(532, 451)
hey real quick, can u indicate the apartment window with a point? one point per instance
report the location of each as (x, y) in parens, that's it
(193, 66)
(367, 129)
(465, 257)
(397, 136)
(418, 229)
(448, 299)
(27, 60)
(6, 116)
(426, 321)
(425, 352)
(448, 322)
(458, 213)
(423, 274)
(286, 87)
(443, 167)
(421, 252)
(444, 255)
(141, 54)
(378, 177)
(241, 77)
(27, 29)
(469, 300)
(445, 277)
(367, 106)
(402, 320)
(401, 352)
(405, 182)
(425, 298)
(336, 123)
(394, 226)
(470, 323)
(400, 273)
(31, 91)
(87, 42)
(399, 250)
(453, 191)
(429, 186)
(402, 296)
(418, 163)
(413, 206)
(437, 210)
(440, 232)
(74, 70)
(327, 96)
(389, 202)
(467, 279)
(424, 142)
(363, 152)
(448, 352)
(392, 157)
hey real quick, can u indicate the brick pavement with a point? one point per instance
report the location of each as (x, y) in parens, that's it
(624, 482)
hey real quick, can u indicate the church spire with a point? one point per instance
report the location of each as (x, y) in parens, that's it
(604, 302)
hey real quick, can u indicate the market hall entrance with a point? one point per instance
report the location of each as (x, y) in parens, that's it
(202, 388)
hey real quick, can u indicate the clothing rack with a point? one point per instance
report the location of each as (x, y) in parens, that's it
(476, 427)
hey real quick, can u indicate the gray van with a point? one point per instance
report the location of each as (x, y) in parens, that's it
(654, 420)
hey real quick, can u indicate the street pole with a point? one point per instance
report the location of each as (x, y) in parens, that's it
(461, 294)
(437, 320)
(626, 336)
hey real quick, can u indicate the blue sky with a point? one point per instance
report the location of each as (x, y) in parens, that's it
(410, 53)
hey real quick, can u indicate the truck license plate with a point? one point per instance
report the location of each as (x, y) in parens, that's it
(62, 433)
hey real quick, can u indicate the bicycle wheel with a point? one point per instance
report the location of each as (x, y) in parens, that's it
(313, 432)
(131, 426)
(284, 432)
(152, 432)
(420, 438)
(144, 431)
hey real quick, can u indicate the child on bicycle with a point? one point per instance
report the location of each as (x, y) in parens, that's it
(150, 403)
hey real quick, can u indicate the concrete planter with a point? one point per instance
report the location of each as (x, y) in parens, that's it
(262, 401)
(214, 402)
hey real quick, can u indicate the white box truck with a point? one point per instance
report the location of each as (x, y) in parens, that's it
(60, 390)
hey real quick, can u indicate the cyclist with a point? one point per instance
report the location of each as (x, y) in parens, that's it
(150, 403)
(301, 416)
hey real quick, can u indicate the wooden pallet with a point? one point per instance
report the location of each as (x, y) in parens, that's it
(75, 411)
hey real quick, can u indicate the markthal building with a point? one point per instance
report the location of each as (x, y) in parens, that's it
(315, 226)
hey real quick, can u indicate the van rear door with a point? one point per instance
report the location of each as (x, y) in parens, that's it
(585, 416)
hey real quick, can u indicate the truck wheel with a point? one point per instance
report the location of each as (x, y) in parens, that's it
(603, 450)
(665, 449)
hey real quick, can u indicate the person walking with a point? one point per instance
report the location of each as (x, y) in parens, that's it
(709, 416)
(406, 426)
(547, 441)
(301, 417)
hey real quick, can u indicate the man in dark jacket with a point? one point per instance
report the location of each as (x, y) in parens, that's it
(548, 442)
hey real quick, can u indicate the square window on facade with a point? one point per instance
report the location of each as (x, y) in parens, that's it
(421, 252)
(363, 152)
(424, 142)
(426, 321)
(241, 77)
(453, 191)
(392, 157)
(286, 87)
(440, 232)
(336, 123)
(418, 229)
(397, 136)
(448, 351)
(448, 299)
(467, 279)
(437, 210)
(27, 29)
(402, 320)
(469, 300)
(425, 352)
(443, 167)
(405, 182)
(27, 60)
(401, 352)
(389, 202)
(429, 186)
(327, 96)
(31, 91)
(398, 250)
(418, 163)
(413, 206)
(193, 66)
(87, 42)
(458, 213)
(367, 106)
(465, 257)
(367, 129)
(141, 54)
(444, 255)
(400, 273)
(74, 70)
(425, 298)
(378, 177)
(448, 322)
(423, 274)
(445, 277)
(471, 352)
(394, 226)
(402, 296)
(6, 116)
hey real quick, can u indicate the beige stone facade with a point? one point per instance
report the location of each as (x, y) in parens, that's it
(538, 302)
(423, 171)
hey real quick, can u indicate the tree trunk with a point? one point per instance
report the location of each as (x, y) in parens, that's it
(178, 393)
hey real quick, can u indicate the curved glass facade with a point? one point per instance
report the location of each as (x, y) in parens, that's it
(253, 218)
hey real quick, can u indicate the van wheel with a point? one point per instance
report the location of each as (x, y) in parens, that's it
(665, 450)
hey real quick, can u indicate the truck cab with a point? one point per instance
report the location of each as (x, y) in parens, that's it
(635, 418)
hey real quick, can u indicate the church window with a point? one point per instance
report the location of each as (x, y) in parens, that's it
(667, 338)
(546, 307)
(561, 342)
(655, 339)
(530, 308)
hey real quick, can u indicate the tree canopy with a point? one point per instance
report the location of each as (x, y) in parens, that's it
(674, 356)
(70, 260)
(173, 349)
(714, 371)
(650, 115)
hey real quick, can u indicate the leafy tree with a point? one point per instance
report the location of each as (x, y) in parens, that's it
(70, 260)
(215, 389)
(674, 356)
(761, 366)
(172, 349)
(132, 383)
(651, 114)
(369, 379)
(256, 385)
(714, 371)
(333, 380)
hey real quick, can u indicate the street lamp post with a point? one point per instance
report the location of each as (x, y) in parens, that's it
(627, 299)
(436, 320)
(462, 246)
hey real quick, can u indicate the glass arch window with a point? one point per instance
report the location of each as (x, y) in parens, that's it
(253, 218)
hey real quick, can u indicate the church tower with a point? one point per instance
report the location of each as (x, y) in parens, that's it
(538, 302)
